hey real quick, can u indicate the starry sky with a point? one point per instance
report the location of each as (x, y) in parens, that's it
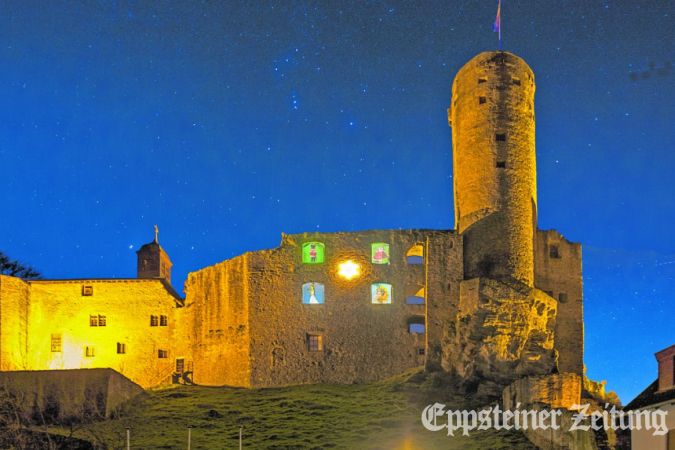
(227, 123)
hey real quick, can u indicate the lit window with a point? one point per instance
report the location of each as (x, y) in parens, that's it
(313, 252)
(56, 343)
(87, 291)
(163, 321)
(379, 253)
(415, 254)
(93, 321)
(315, 342)
(154, 321)
(381, 293)
(121, 348)
(313, 293)
(89, 352)
(162, 354)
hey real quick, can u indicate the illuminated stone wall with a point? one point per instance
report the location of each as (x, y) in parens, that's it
(215, 323)
(561, 277)
(492, 119)
(59, 308)
(14, 298)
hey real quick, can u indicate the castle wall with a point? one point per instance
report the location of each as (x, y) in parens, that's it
(215, 320)
(492, 119)
(561, 277)
(14, 298)
(58, 309)
(362, 341)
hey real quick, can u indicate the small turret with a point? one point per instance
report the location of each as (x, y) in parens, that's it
(153, 261)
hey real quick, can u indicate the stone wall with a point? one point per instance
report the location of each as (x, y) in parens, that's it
(67, 395)
(58, 309)
(362, 341)
(561, 277)
(14, 300)
(216, 323)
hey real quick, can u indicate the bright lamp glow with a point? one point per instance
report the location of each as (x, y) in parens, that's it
(349, 270)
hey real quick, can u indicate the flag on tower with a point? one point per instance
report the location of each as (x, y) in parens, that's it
(497, 26)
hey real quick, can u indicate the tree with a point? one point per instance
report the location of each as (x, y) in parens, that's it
(17, 269)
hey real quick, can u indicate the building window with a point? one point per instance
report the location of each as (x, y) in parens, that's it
(313, 252)
(482, 80)
(501, 164)
(417, 299)
(121, 348)
(315, 342)
(554, 251)
(56, 343)
(154, 321)
(379, 253)
(313, 293)
(481, 100)
(87, 291)
(562, 297)
(163, 321)
(162, 354)
(500, 137)
(416, 325)
(420, 351)
(515, 81)
(415, 254)
(381, 293)
(97, 321)
(89, 352)
(180, 365)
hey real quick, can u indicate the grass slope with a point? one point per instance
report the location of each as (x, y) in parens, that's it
(384, 415)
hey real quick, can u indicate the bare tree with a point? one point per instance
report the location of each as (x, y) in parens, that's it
(15, 268)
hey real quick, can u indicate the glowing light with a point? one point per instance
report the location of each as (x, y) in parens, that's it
(349, 270)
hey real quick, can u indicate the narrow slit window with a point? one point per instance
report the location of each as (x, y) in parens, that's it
(89, 352)
(121, 348)
(554, 251)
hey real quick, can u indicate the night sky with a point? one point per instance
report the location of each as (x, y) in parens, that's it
(228, 123)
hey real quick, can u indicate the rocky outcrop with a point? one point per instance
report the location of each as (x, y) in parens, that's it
(502, 332)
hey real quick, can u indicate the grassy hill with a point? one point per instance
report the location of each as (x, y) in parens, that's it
(384, 415)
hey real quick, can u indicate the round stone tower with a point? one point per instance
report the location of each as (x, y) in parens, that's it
(492, 120)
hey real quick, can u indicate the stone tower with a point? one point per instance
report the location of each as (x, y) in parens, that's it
(153, 261)
(492, 120)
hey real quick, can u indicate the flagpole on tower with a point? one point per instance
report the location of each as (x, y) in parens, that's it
(497, 26)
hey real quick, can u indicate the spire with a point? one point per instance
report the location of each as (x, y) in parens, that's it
(156, 234)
